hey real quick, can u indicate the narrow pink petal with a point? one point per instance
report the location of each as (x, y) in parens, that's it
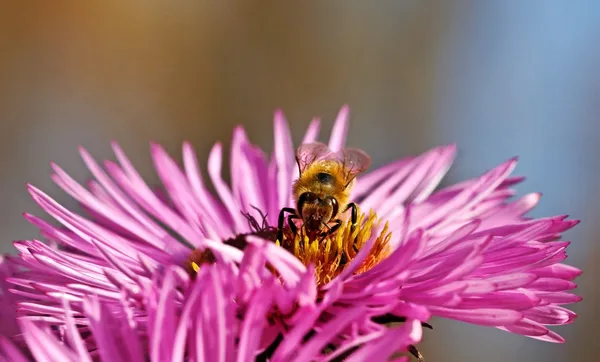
(83, 228)
(398, 260)
(436, 174)
(214, 170)
(340, 130)
(245, 183)
(305, 292)
(135, 186)
(122, 199)
(469, 196)
(512, 281)
(355, 342)
(550, 315)
(552, 285)
(71, 272)
(456, 237)
(284, 155)
(44, 346)
(257, 165)
(8, 316)
(202, 194)
(42, 309)
(393, 340)
(253, 325)
(412, 311)
(552, 337)
(73, 335)
(163, 330)
(293, 337)
(363, 253)
(472, 260)
(527, 327)
(178, 188)
(286, 263)
(220, 322)
(10, 352)
(314, 346)
(514, 209)
(484, 317)
(312, 132)
(416, 176)
(561, 271)
(180, 337)
(517, 301)
(198, 344)
(113, 345)
(387, 186)
(559, 298)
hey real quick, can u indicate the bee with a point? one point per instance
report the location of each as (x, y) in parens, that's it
(323, 189)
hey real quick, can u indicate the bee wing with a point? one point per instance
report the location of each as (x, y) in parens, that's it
(355, 161)
(308, 153)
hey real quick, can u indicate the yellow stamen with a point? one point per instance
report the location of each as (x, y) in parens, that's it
(331, 254)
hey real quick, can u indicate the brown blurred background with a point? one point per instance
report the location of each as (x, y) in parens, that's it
(500, 78)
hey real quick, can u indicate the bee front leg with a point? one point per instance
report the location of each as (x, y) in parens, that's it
(354, 220)
(330, 229)
(281, 220)
(353, 216)
(415, 352)
(291, 223)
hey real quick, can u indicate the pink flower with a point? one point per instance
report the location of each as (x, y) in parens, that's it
(464, 252)
(8, 315)
(220, 316)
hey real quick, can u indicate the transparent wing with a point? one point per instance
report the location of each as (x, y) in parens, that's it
(308, 153)
(355, 161)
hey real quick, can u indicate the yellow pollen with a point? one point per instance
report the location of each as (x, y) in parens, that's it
(196, 259)
(330, 255)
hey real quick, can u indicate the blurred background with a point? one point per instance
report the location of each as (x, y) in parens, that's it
(500, 78)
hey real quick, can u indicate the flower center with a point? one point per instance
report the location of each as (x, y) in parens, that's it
(330, 254)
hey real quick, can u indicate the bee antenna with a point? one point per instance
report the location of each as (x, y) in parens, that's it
(252, 223)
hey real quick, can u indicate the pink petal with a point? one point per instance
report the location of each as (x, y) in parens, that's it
(484, 317)
(340, 130)
(283, 151)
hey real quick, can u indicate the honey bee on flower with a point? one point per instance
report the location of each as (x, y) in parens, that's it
(322, 190)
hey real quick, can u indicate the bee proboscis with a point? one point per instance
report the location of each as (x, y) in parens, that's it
(322, 190)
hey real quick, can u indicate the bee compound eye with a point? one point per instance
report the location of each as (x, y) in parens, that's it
(307, 197)
(332, 201)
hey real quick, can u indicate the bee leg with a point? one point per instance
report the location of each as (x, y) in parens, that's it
(354, 220)
(353, 216)
(331, 229)
(334, 228)
(291, 223)
(281, 220)
(415, 352)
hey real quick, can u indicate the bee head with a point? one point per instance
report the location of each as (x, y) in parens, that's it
(316, 211)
